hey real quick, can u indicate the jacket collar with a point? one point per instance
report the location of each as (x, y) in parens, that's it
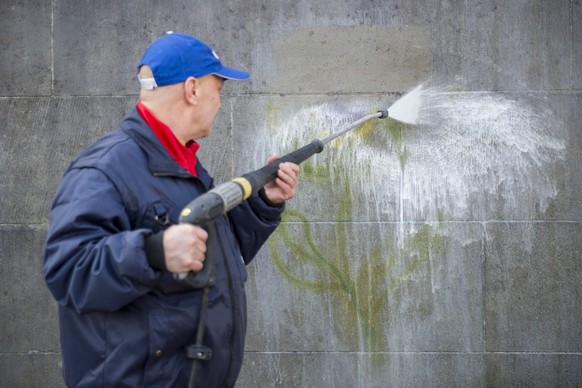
(160, 162)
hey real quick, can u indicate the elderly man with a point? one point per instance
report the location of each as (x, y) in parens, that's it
(114, 242)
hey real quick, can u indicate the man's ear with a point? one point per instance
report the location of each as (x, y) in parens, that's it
(191, 86)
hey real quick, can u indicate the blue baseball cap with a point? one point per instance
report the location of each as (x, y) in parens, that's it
(175, 57)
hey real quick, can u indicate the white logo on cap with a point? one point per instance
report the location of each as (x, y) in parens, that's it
(215, 56)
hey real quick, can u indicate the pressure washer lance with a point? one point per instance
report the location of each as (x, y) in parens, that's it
(218, 201)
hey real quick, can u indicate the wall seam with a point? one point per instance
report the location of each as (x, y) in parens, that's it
(52, 43)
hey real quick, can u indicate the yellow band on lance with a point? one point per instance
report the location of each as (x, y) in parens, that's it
(246, 186)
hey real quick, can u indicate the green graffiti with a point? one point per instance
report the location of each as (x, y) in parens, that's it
(360, 299)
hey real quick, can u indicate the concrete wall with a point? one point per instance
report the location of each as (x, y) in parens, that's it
(458, 265)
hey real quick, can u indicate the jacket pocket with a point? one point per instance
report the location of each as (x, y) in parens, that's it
(170, 331)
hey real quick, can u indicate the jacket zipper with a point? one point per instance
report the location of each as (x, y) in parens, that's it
(233, 311)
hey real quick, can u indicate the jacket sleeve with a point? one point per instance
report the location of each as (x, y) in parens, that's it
(253, 221)
(93, 261)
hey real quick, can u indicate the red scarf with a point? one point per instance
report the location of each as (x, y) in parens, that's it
(184, 155)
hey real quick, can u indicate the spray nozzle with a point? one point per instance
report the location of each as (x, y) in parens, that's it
(383, 113)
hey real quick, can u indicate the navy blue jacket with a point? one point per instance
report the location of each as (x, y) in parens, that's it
(124, 323)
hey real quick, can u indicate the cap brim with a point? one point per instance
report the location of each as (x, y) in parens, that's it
(234, 74)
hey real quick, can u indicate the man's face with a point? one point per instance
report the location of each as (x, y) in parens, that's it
(208, 102)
